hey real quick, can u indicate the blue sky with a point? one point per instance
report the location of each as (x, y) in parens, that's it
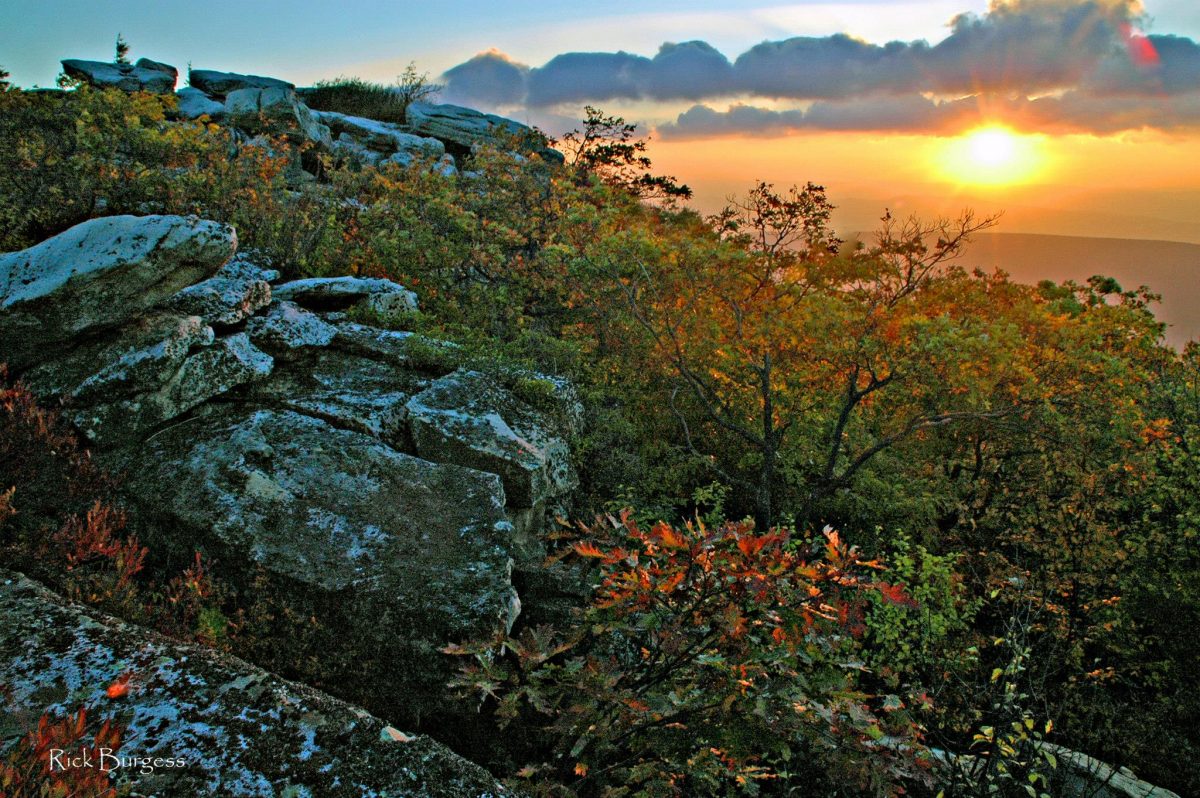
(303, 40)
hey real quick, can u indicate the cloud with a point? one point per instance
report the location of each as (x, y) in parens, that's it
(908, 113)
(490, 78)
(1074, 58)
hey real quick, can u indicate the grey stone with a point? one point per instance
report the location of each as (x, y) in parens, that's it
(348, 147)
(467, 127)
(393, 556)
(194, 104)
(99, 274)
(220, 84)
(468, 418)
(145, 75)
(404, 350)
(389, 300)
(240, 730)
(275, 109)
(384, 137)
(350, 392)
(231, 295)
(288, 329)
(228, 363)
(139, 357)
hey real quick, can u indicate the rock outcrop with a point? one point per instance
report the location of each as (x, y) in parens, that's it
(1073, 775)
(258, 104)
(388, 301)
(99, 274)
(466, 128)
(220, 84)
(354, 478)
(193, 104)
(218, 726)
(145, 75)
(275, 110)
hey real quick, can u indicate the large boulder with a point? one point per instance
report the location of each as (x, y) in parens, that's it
(193, 104)
(289, 331)
(467, 127)
(145, 75)
(348, 391)
(275, 110)
(136, 358)
(391, 556)
(220, 84)
(99, 274)
(389, 300)
(226, 727)
(467, 417)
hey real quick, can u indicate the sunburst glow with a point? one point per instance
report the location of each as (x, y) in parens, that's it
(992, 156)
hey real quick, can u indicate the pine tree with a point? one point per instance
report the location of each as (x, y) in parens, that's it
(122, 50)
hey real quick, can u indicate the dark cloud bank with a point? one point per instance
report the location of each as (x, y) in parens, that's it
(1054, 65)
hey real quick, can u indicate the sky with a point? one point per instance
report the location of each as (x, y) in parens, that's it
(1089, 109)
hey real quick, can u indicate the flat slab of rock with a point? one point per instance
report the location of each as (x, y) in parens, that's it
(145, 75)
(231, 295)
(468, 418)
(350, 392)
(138, 357)
(219, 84)
(239, 730)
(384, 137)
(287, 330)
(394, 556)
(466, 127)
(99, 274)
(387, 299)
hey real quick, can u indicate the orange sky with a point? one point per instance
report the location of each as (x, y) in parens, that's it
(1130, 185)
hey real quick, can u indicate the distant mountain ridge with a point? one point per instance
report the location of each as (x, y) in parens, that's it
(1169, 268)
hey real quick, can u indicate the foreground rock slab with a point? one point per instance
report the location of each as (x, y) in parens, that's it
(239, 730)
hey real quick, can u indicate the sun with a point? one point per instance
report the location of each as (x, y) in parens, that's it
(991, 156)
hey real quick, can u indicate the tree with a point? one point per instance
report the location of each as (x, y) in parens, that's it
(781, 347)
(122, 50)
(607, 147)
(5, 85)
(413, 87)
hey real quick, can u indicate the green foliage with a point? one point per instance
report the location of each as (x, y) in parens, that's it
(919, 643)
(358, 97)
(1037, 442)
(121, 50)
(607, 147)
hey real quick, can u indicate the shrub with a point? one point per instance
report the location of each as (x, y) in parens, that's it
(59, 524)
(710, 661)
(357, 97)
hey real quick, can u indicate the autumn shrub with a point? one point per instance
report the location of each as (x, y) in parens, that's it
(59, 522)
(710, 661)
(27, 770)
